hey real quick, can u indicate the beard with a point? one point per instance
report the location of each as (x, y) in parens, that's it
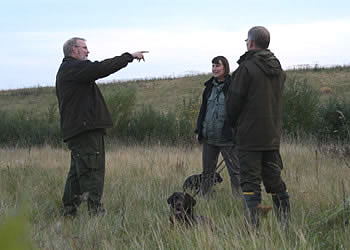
(82, 57)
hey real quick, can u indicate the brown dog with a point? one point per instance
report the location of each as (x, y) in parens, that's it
(263, 210)
(181, 209)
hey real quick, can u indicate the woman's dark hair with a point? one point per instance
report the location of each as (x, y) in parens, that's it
(217, 59)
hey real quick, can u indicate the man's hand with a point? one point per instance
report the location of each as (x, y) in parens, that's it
(139, 55)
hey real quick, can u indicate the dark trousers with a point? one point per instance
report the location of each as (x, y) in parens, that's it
(210, 155)
(87, 170)
(265, 166)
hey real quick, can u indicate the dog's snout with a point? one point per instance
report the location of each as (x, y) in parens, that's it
(179, 204)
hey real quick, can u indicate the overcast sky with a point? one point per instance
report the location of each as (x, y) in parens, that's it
(181, 35)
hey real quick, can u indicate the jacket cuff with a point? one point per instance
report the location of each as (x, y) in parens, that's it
(128, 56)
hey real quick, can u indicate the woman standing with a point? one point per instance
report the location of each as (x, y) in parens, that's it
(214, 132)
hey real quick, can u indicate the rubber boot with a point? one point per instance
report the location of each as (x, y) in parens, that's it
(282, 208)
(251, 202)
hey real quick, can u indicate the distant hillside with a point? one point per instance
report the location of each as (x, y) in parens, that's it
(336, 78)
(164, 94)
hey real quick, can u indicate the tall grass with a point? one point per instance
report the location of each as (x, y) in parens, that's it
(304, 114)
(23, 129)
(300, 106)
(335, 120)
(140, 179)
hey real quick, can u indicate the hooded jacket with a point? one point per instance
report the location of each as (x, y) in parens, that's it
(226, 131)
(81, 104)
(254, 101)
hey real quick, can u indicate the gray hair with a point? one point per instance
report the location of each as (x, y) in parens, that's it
(69, 44)
(260, 35)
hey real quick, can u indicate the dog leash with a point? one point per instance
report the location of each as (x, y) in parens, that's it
(222, 161)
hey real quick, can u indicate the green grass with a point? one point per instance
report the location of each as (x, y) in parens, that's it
(336, 78)
(140, 179)
(165, 94)
(162, 94)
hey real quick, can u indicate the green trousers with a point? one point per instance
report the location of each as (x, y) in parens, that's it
(85, 178)
(261, 166)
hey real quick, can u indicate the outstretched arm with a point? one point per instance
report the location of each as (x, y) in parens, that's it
(89, 71)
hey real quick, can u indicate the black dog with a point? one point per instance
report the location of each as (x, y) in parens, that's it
(193, 182)
(181, 208)
(182, 212)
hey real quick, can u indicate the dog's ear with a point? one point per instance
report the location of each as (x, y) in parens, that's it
(190, 199)
(171, 199)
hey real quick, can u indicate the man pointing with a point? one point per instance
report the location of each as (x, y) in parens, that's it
(84, 120)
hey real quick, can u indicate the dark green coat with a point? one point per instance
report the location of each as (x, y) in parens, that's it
(254, 101)
(81, 104)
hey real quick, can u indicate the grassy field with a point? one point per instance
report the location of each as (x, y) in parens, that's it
(162, 94)
(139, 180)
(167, 93)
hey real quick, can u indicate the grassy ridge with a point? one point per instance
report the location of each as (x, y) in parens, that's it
(166, 94)
(162, 94)
(140, 179)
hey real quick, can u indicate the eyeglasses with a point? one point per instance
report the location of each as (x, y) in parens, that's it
(84, 47)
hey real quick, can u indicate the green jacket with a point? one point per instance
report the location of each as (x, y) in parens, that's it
(254, 101)
(81, 104)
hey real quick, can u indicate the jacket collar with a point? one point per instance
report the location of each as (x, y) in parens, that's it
(210, 81)
(249, 54)
(68, 58)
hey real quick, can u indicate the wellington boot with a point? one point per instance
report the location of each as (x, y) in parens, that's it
(281, 207)
(251, 202)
